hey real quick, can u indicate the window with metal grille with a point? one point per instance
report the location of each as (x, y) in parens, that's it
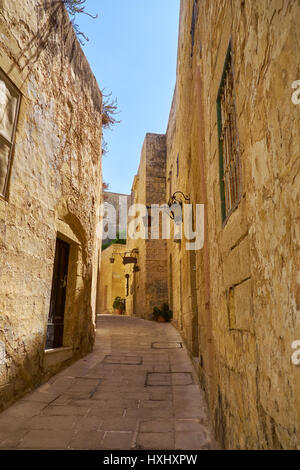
(9, 108)
(229, 154)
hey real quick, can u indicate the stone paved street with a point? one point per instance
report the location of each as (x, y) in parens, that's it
(137, 390)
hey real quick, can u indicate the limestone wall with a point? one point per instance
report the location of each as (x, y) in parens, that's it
(247, 295)
(121, 203)
(148, 287)
(54, 190)
(112, 278)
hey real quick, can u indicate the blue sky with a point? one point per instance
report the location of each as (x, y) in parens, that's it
(132, 51)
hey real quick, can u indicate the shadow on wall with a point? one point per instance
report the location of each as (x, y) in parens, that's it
(55, 33)
(29, 373)
(38, 43)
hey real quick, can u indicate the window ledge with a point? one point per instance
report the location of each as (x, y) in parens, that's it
(53, 357)
(57, 350)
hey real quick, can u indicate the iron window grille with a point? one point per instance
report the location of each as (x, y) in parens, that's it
(10, 98)
(229, 152)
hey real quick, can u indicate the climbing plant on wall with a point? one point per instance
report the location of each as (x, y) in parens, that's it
(109, 111)
(110, 105)
(75, 7)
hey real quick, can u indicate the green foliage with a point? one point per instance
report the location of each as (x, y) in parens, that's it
(164, 312)
(119, 304)
(116, 241)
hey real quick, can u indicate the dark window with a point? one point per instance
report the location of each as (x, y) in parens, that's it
(229, 155)
(9, 109)
(177, 165)
(170, 183)
(55, 328)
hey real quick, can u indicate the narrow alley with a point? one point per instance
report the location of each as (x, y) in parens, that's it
(150, 299)
(137, 390)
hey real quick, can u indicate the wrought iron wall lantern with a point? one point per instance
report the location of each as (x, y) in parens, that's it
(177, 199)
(126, 256)
(129, 260)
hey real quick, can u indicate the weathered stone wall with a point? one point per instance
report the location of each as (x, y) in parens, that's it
(54, 190)
(112, 278)
(148, 287)
(137, 288)
(121, 203)
(247, 294)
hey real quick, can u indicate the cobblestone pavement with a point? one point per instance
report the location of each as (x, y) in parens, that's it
(137, 390)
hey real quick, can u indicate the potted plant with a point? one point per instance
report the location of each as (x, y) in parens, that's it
(119, 305)
(163, 314)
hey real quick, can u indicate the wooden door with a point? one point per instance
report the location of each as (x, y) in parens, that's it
(55, 328)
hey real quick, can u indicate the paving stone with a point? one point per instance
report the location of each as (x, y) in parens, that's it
(190, 440)
(12, 424)
(59, 423)
(161, 412)
(12, 439)
(107, 412)
(61, 385)
(182, 367)
(155, 404)
(189, 425)
(182, 378)
(190, 410)
(160, 396)
(84, 386)
(118, 424)
(169, 345)
(122, 360)
(118, 440)
(118, 389)
(86, 403)
(39, 397)
(185, 392)
(65, 410)
(46, 439)
(164, 390)
(88, 423)
(86, 440)
(156, 426)
(99, 405)
(129, 403)
(137, 395)
(164, 369)
(173, 378)
(23, 409)
(161, 379)
(162, 440)
(106, 396)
